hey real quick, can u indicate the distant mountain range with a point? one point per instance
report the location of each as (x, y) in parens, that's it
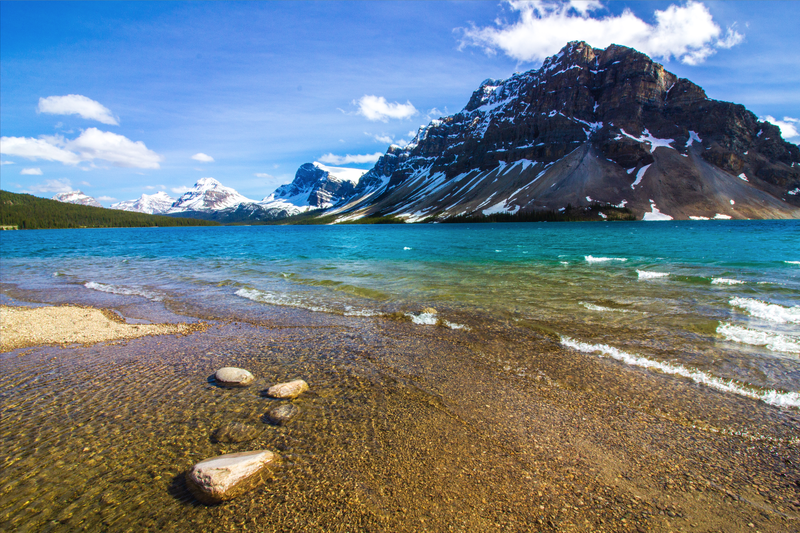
(592, 128)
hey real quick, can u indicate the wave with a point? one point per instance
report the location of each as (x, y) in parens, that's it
(772, 397)
(644, 274)
(283, 299)
(773, 341)
(125, 291)
(432, 319)
(771, 312)
(593, 307)
(792, 262)
(725, 281)
(591, 259)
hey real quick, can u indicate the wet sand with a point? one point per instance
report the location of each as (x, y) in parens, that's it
(406, 428)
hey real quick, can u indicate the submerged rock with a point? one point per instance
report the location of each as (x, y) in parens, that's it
(230, 376)
(236, 432)
(288, 390)
(225, 477)
(281, 414)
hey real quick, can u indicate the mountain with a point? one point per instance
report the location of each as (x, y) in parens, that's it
(208, 195)
(315, 186)
(592, 127)
(76, 197)
(152, 204)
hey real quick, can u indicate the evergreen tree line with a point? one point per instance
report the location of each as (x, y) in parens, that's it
(30, 212)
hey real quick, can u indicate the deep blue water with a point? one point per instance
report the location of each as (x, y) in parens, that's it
(720, 297)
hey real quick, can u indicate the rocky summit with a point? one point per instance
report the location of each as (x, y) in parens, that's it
(591, 128)
(76, 197)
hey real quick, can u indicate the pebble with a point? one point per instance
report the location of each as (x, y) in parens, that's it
(230, 376)
(225, 477)
(281, 414)
(289, 390)
(235, 432)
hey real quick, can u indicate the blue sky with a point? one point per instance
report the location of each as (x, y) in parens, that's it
(116, 98)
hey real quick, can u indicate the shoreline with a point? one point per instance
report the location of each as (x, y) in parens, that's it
(406, 428)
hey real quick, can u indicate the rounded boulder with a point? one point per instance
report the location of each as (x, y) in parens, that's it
(231, 376)
(225, 477)
(288, 390)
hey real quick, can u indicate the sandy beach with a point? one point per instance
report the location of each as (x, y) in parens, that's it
(404, 429)
(23, 327)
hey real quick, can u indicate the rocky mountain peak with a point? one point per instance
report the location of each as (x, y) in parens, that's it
(76, 197)
(607, 126)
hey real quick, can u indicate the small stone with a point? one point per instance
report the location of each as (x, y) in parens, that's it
(230, 376)
(225, 477)
(289, 390)
(235, 432)
(282, 413)
(429, 311)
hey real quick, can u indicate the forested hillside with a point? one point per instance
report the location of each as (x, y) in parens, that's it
(30, 212)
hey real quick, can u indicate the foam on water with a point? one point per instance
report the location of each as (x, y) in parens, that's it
(591, 259)
(767, 311)
(272, 298)
(792, 262)
(593, 307)
(725, 281)
(772, 397)
(644, 274)
(124, 291)
(773, 341)
(432, 319)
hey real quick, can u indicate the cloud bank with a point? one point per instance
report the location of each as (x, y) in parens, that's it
(376, 108)
(31, 172)
(332, 159)
(76, 104)
(90, 145)
(789, 127)
(687, 32)
(56, 186)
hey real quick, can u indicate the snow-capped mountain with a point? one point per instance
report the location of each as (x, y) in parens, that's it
(152, 204)
(76, 197)
(208, 195)
(591, 127)
(315, 186)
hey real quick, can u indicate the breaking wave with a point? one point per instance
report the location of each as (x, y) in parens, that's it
(772, 397)
(773, 341)
(725, 281)
(591, 259)
(644, 274)
(125, 291)
(775, 313)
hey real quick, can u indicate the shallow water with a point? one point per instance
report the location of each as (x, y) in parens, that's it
(720, 299)
(413, 422)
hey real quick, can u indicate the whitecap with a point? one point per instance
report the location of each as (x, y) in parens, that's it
(124, 291)
(772, 397)
(600, 308)
(272, 298)
(767, 311)
(432, 319)
(725, 281)
(773, 341)
(406, 248)
(792, 262)
(644, 274)
(591, 259)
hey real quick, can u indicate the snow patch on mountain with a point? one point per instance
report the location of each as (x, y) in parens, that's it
(76, 197)
(152, 204)
(208, 195)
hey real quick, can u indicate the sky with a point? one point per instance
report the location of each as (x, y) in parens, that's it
(118, 99)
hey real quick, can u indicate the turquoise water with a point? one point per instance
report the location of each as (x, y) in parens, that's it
(712, 301)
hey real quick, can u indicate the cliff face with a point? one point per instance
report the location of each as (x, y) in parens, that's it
(590, 127)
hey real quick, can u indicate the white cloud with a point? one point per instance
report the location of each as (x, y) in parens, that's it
(203, 158)
(788, 126)
(687, 32)
(180, 190)
(263, 175)
(385, 139)
(332, 159)
(91, 144)
(377, 108)
(75, 104)
(7, 163)
(86, 184)
(43, 148)
(106, 198)
(56, 186)
(31, 172)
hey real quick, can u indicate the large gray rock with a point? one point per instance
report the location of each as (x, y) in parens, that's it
(230, 376)
(288, 390)
(225, 477)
